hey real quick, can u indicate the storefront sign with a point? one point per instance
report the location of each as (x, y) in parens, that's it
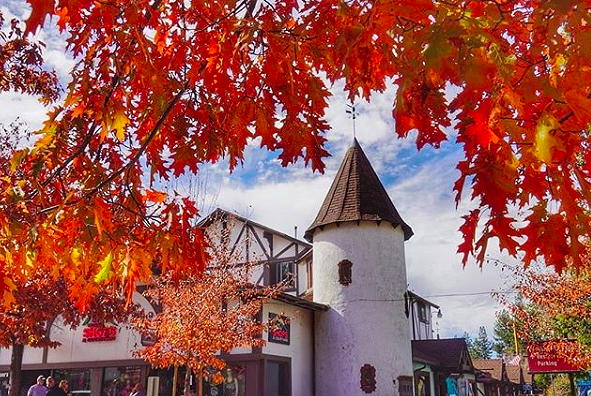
(278, 329)
(96, 332)
(540, 360)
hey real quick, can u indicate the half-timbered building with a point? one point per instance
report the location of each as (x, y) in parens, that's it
(343, 313)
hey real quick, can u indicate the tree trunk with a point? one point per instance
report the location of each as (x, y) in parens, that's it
(200, 384)
(187, 390)
(174, 380)
(16, 366)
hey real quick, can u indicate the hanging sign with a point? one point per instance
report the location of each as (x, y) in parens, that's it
(278, 329)
(540, 360)
(96, 332)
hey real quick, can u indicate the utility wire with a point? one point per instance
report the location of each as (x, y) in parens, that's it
(470, 294)
(439, 296)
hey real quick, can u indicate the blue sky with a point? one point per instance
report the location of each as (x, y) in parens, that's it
(419, 183)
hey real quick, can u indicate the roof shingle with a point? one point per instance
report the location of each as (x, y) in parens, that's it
(446, 353)
(357, 194)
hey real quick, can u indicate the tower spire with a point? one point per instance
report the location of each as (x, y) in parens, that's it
(353, 115)
(357, 194)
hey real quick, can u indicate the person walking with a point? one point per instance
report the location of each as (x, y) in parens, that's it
(54, 390)
(137, 390)
(65, 387)
(39, 389)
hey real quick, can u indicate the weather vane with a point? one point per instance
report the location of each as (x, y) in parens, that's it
(353, 114)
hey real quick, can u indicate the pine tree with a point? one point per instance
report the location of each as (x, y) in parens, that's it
(468, 340)
(504, 339)
(481, 346)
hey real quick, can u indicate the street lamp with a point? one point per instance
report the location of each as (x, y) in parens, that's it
(439, 316)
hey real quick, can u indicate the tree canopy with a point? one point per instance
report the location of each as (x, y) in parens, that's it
(555, 308)
(162, 86)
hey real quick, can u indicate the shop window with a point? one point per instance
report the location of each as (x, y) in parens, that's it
(422, 383)
(345, 276)
(422, 309)
(29, 377)
(405, 387)
(234, 383)
(78, 379)
(4, 384)
(278, 377)
(119, 381)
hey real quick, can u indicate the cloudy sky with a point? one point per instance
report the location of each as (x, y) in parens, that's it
(419, 183)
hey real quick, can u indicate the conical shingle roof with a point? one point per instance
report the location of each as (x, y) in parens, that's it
(357, 194)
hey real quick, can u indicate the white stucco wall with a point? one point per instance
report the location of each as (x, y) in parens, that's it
(366, 323)
(300, 348)
(302, 277)
(30, 355)
(72, 349)
(422, 330)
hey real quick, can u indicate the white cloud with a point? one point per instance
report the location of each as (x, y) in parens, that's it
(25, 108)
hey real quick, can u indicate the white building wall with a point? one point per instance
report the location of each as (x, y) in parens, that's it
(418, 329)
(302, 277)
(366, 323)
(300, 348)
(72, 349)
(30, 355)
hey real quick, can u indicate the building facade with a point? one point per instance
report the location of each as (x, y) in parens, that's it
(345, 316)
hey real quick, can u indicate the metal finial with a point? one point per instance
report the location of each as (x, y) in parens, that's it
(353, 114)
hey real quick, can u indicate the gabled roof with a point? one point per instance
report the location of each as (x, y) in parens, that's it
(492, 366)
(500, 371)
(301, 302)
(447, 353)
(416, 297)
(357, 194)
(220, 213)
(515, 373)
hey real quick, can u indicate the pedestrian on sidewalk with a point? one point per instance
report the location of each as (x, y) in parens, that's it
(39, 389)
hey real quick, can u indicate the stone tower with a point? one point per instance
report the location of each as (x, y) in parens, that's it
(363, 343)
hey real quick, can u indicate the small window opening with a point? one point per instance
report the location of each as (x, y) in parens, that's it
(345, 276)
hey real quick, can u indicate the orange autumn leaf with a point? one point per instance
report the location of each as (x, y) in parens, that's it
(504, 83)
(155, 196)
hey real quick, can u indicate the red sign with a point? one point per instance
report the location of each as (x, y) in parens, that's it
(540, 360)
(279, 329)
(95, 332)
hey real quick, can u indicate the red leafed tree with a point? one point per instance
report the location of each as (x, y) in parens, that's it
(162, 86)
(49, 217)
(40, 300)
(204, 315)
(555, 308)
(21, 65)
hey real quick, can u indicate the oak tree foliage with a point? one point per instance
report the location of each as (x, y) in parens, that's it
(555, 308)
(163, 86)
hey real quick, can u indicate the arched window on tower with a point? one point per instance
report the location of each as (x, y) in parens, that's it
(345, 278)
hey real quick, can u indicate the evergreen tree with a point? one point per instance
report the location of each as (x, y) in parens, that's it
(481, 347)
(469, 341)
(504, 341)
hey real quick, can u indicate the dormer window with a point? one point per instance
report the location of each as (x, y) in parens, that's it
(345, 276)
